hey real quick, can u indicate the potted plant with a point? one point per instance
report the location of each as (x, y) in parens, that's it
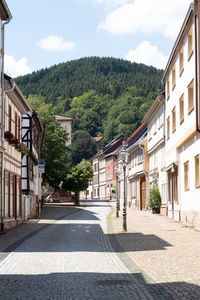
(16, 143)
(155, 200)
(23, 148)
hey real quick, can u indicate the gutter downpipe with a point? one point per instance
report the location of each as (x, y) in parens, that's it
(3, 128)
(197, 66)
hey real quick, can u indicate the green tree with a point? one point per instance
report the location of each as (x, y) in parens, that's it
(76, 179)
(84, 146)
(54, 149)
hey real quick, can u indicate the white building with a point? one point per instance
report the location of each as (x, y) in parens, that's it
(181, 78)
(66, 123)
(137, 168)
(95, 179)
(102, 178)
(156, 148)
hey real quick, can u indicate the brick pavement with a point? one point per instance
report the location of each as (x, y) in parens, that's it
(49, 215)
(70, 259)
(156, 259)
(165, 250)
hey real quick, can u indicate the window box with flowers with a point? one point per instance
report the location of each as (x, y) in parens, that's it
(16, 143)
(8, 136)
(22, 148)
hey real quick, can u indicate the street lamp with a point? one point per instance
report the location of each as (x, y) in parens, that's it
(124, 163)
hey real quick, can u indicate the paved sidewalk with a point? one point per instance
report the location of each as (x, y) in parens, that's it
(49, 215)
(166, 251)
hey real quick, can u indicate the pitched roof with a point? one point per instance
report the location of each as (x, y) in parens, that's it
(136, 134)
(98, 138)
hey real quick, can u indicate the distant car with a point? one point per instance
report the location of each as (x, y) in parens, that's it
(49, 198)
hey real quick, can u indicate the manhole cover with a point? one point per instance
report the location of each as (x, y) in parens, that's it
(113, 282)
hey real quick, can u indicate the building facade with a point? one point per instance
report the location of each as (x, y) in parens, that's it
(137, 168)
(33, 137)
(182, 118)
(15, 106)
(66, 123)
(155, 119)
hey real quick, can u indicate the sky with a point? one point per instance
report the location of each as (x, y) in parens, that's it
(43, 33)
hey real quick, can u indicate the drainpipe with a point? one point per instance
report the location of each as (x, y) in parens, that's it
(197, 66)
(3, 124)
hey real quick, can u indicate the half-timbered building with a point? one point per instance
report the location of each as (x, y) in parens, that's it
(32, 136)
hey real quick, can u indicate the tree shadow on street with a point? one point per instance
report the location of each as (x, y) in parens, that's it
(94, 286)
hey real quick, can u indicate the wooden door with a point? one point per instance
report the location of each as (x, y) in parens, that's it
(173, 189)
(142, 193)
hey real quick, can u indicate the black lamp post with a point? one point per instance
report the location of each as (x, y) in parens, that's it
(124, 163)
(117, 194)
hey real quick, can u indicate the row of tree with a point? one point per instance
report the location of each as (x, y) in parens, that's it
(105, 75)
(105, 96)
(65, 167)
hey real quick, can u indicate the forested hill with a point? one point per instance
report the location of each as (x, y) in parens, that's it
(103, 75)
(105, 96)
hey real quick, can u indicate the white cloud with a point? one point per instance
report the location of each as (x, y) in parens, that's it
(147, 54)
(110, 3)
(16, 68)
(55, 43)
(149, 16)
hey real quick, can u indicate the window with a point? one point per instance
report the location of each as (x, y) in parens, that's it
(11, 195)
(6, 194)
(140, 156)
(9, 118)
(150, 133)
(18, 196)
(168, 89)
(190, 50)
(19, 128)
(181, 108)
(190, 96)
(168, 127)
(174, 119)
(181, 61)
(16, 131)
(173, 77)
(186, 176)
(96, 167)
(197, 170)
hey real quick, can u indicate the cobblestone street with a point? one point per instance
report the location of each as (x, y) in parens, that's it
(83, 255)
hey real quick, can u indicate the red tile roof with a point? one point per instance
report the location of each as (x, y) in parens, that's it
(136, 132)
(98, 138)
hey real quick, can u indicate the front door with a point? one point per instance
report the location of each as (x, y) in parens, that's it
(173, 189)
(142, 193)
